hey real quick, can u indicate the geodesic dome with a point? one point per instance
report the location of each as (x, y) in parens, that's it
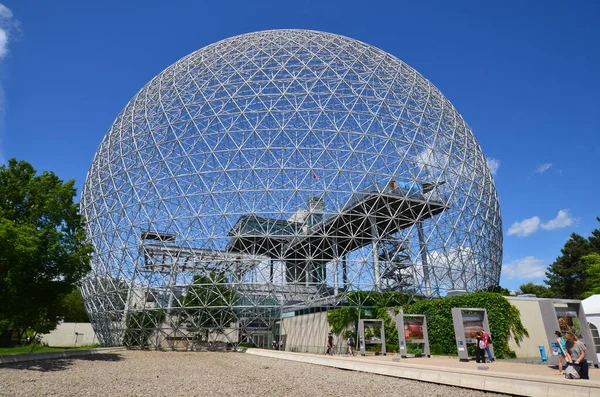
(278, 171)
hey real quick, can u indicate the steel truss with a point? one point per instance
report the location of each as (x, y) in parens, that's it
(273, 173)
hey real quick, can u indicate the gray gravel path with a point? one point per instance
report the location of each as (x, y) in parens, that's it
(172, 374)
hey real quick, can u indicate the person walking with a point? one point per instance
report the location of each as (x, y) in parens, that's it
(351, 345)
(576, 350)
(479, 348)
(487, 339)
(329, 350)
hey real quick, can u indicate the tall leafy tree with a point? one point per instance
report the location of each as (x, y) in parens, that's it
(594, 239)
(499, 290)
(593, 273)
(73, 308)
(208, 305)
(43, 252)
(566, 275)
(538, 290)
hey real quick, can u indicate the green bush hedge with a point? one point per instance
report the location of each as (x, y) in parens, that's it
(504, 320)
(503, 317)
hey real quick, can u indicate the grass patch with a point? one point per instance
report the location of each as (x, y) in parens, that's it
(41, 349)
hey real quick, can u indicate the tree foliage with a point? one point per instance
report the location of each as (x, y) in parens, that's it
(43, 252)
(539, 291)
(73, 308)
(593, 273)
(504, 320)
(370, 302)
(141, 326)
(499, 290)
(566, 275)
(208, 305)
(594, 239)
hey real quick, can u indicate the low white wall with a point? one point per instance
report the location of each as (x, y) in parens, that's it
(71, 335)
(306, 333)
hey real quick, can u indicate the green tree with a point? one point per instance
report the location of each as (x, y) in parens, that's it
(43, 252)
(594, 239)
(73, 308)
(566, 275)
(593, 272)
(208, 305)
(499, 290)
(370, 302)
(538, 290)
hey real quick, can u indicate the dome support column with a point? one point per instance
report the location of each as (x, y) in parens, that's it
(423, 251)
(375, 239)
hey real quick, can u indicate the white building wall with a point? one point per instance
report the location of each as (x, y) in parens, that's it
(71, 335)
(591, 306)
(306, 333)
(594, 319)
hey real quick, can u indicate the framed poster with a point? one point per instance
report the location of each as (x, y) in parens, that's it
(412, 329)
(371, 332)
(472, 323)
(467, 322)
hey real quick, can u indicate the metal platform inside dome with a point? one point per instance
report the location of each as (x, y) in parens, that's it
(368, 216)
(306, 244)
(163, 258)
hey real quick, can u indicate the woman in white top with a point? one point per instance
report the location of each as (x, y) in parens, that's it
(576, 350)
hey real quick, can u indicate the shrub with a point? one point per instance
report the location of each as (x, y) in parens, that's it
(504, 320)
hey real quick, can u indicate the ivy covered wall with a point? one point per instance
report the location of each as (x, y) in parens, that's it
(503, 317)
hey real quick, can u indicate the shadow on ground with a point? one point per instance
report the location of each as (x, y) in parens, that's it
(61, 364)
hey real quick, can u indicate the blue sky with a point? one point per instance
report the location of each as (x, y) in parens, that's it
(524, 75)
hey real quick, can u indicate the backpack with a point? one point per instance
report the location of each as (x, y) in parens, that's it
(490, 339)
(572, 372)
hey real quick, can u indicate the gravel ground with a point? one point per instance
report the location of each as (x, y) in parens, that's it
(135, 373)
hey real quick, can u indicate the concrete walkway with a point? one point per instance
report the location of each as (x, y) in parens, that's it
(501, 377)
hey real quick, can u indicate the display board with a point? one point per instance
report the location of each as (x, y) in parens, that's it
(566, 316)
(371, 332)
(412, 328)
(467, 321)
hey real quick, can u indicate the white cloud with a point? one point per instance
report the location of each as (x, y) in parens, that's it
(563, 219)
(451, 263)
(3, 43)
(543, 168)
(431, 158)
(528, 268)
(525, 227)
(493, 165)
(6, 25)
(5, 12)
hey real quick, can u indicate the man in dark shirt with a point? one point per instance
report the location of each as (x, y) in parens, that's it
(329, 344)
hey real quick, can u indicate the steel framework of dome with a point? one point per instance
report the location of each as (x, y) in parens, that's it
(273, 173)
